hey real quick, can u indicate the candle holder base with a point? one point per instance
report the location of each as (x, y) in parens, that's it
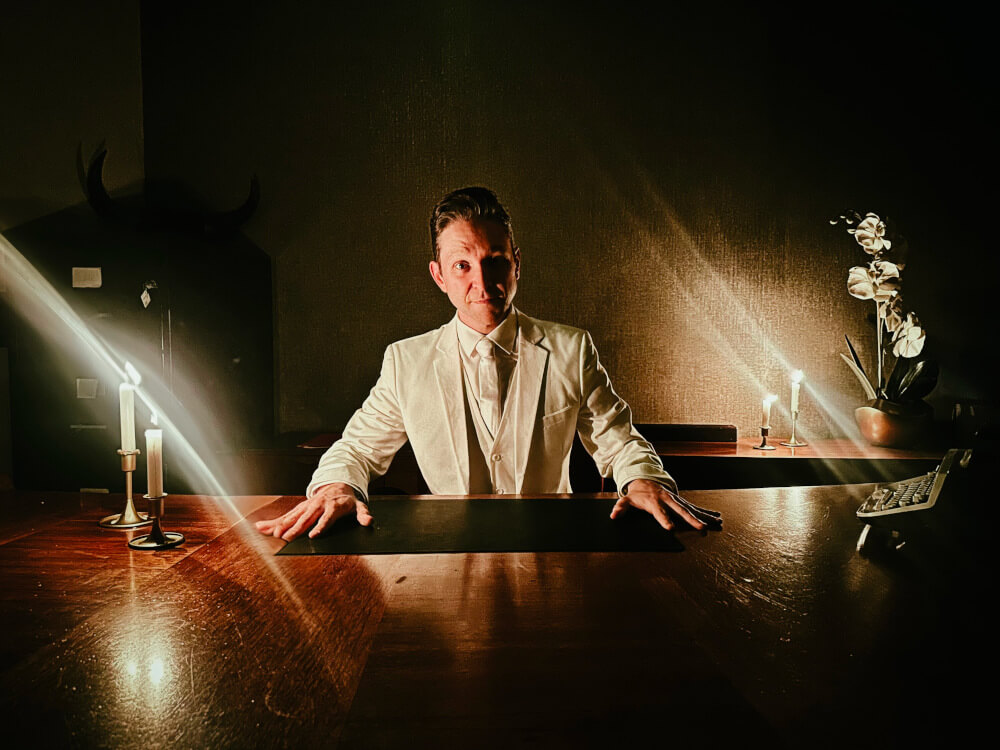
(156, 538)
(794, 442)
(763, 440)
(128, 518)
(167, 540)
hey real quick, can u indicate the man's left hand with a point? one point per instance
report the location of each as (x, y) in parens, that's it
(663, 505)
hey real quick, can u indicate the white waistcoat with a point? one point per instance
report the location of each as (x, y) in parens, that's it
(491, 460)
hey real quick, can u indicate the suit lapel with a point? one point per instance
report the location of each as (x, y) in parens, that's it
(447, 369)
(531, 361)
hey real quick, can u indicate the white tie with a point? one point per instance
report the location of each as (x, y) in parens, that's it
(489, 386)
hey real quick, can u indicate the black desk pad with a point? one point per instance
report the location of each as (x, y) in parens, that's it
(427, 525)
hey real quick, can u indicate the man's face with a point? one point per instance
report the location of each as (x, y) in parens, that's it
(478, 270)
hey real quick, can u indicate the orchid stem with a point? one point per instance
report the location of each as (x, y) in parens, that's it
(880, 392)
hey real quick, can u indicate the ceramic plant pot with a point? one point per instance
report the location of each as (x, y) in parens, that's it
(891, 425)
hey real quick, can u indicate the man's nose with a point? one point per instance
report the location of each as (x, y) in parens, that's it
(480, 275)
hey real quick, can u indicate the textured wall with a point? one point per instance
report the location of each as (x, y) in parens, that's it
(670, 176)
(69, 79)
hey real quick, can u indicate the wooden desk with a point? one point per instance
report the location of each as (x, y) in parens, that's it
(773, 631)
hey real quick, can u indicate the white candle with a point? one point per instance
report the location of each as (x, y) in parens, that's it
(126, 403)
(796, 379)
(765, 415)
(154, 463)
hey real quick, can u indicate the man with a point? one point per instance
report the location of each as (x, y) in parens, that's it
(490, 401)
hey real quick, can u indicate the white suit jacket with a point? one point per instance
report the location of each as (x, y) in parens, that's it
(561, 389)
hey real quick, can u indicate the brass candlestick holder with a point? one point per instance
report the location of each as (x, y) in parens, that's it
(763, 440)
(792, 442)
(128, 518)
(156, 538)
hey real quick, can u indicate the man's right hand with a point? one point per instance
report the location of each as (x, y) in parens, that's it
(331, 501)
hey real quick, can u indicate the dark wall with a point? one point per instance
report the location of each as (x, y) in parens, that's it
(69, 79)
(671, 172)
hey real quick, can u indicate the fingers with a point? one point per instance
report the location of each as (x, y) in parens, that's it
(683, 512)
(306, 517)
(707, 517)
(691, 506)
(267, 525)
(329, 514)
(322, 510)
(661, 516)
(698, 508)
(655, 509)
(276, 526)
(364, 517)
(709, 520)
(620, 507)
(665, 506)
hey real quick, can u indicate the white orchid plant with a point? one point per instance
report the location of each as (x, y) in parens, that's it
(896, 330)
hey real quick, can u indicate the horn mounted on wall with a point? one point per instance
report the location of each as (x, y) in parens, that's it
(149, 216)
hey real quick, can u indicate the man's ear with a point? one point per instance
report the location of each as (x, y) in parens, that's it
(436, 274)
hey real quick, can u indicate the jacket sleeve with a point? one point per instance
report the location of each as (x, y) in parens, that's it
(370, 440)
(606, 431)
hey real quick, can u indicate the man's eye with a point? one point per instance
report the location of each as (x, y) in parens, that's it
(461, 265)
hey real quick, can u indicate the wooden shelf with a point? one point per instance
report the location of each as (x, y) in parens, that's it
(287, 465)
(832, 449)
(837, 461)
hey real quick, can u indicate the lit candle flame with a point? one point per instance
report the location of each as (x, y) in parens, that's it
(133, 374)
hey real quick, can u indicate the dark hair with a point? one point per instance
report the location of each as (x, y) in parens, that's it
(469, 203)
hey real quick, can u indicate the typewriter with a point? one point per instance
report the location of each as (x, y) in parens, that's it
(901, 507)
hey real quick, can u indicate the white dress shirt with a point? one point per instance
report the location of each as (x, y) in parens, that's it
(504, 338)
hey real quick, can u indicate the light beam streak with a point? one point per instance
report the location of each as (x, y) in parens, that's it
(45, 309)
